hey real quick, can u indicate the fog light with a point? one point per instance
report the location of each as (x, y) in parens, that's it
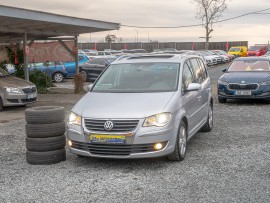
(158, 146)
(69, 143)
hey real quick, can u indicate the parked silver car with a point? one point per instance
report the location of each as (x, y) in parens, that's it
(15, 91)
(143, 106)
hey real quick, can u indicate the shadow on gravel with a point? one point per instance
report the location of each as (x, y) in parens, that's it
(246, 102)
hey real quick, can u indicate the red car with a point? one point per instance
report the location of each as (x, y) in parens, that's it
(257, 50)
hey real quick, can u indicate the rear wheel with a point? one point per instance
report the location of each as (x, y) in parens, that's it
(1, 105)
(58, 77)
(221, 100)
(84, 74)
(209, 124)
(180, 144)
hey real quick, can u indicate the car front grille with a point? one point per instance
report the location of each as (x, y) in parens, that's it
(114, 149)
(118, 125)
(29, 90)
(29, 100)
(243, 86)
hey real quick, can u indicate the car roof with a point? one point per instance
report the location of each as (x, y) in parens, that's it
(251, 59)
(170, 58)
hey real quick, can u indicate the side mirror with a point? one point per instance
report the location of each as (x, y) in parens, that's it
(193, 87)
(89, 87)
(224, 70)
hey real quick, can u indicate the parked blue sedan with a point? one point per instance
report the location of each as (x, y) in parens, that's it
(56, 70)
(70, 65)
(246, 78)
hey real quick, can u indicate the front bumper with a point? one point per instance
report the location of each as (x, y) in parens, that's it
(263, 92)
(10, 99)
(139, 144)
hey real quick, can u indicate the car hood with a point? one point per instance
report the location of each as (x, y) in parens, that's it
(122, 105)
(248, 77)
(11, 81)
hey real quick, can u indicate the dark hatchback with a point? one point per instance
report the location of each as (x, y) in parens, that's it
(246, 78)
(93, 68)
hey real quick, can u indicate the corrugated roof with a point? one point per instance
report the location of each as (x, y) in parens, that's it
(14, 22)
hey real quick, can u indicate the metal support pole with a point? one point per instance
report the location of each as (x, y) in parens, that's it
(26, 72)
(76, 54)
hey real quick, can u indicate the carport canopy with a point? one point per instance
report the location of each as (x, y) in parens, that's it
(17, 24)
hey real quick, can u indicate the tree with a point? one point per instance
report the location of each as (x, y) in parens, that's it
(209, 11)
(110, 38)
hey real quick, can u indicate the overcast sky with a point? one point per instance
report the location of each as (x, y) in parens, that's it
(252, 28)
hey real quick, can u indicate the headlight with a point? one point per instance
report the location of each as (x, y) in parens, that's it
(74, 119)
(158, 120)
(265, 83)
(222, 82)
(13, 90)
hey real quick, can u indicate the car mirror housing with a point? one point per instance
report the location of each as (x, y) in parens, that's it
(224, 70)
(193, 87)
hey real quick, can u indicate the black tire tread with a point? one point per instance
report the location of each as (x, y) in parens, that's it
(45, 144)
(222, 100)
(206, 127)
(1, 104)
(45, 158)
(45, 114)
(45, 130)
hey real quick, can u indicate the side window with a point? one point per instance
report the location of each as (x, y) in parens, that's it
(187, 77)
(203, 69)
(196, 70)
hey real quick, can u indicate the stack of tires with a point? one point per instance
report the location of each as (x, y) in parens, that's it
(45, 135)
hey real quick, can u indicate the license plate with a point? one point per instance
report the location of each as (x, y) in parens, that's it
(243, 92)
(111, 139)
(31, 96)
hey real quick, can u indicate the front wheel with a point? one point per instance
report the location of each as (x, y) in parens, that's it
(58, 77)
(180, 144)
(221, 100)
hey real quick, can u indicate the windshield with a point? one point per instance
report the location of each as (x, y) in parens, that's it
(234, 49)
(139, 77)
(250, 66)
(3, 73)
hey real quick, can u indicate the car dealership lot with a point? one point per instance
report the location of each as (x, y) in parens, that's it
(229, 164)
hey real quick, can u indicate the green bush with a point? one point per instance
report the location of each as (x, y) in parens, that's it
(41, 80)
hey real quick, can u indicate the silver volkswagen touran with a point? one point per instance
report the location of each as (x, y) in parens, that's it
(142, 107)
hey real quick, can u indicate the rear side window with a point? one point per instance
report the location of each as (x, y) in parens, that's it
(203, 69)
(196, 70)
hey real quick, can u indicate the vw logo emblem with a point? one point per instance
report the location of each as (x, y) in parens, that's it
(108, 125)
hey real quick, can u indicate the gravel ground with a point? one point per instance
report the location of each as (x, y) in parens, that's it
(229, 164)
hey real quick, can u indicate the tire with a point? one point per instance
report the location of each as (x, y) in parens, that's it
(1, 104)
(84, 74)
(222, 100)
(46, 158)
(45, 114)
(45, 130)
(45, 144)
(180, 144)
(208, 126)
(58, 77)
